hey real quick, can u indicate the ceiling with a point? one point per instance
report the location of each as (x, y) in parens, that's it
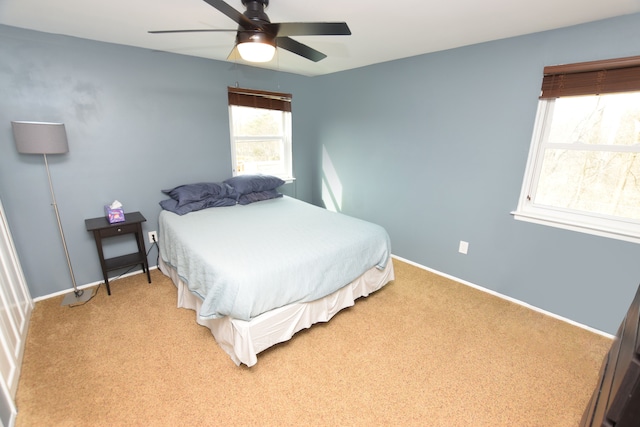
(381, 31)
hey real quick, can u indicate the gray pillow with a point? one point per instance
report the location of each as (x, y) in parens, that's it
(258, 196)
(245, 184)
(190, 193)
(171, 205)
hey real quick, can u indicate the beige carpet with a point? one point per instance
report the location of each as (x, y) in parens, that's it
(423, 351)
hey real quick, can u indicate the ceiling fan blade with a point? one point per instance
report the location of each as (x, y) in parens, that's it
(208, 30)
(285, 29)
(299, 49)
(236, 16)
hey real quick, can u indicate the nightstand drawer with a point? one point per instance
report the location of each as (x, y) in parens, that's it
(115, 230)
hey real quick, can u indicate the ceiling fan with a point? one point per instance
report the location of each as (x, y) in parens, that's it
(257, 38)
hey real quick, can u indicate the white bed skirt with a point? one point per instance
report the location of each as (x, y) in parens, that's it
(243, 340)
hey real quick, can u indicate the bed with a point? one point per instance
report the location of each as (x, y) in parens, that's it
(257, 270)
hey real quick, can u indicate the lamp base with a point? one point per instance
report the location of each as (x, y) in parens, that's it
(79, 298)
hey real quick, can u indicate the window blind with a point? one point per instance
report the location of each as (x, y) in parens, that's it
(592, 78)
(259, 99)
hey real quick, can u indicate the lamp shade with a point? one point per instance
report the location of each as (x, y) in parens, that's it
(40, 138)
(256, 46)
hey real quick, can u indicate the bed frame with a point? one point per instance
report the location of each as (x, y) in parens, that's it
(243, 340)
(616, 400)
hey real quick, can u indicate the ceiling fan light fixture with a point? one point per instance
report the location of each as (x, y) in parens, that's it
(256, 46)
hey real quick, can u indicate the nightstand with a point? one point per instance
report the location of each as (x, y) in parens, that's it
(132, 225)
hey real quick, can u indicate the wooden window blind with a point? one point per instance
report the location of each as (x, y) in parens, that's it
(592, 78)
(259, 99)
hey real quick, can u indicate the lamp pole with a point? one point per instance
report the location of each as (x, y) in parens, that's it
(77, 292)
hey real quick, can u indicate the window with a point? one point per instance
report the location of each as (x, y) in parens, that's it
(583, 171)
(260, 125)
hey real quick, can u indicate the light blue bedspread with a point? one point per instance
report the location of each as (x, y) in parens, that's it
(245, 260)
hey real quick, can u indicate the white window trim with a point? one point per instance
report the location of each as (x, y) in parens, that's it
(232, 142)
(288, 145)
(598, 225)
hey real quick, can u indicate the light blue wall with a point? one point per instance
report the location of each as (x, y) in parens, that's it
(434, 149)
(137, 121)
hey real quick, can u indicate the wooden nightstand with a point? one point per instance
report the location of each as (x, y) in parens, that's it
(132, 225)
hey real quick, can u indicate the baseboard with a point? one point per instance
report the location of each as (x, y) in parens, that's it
(88, 285)
(508, 298)
(415, 264)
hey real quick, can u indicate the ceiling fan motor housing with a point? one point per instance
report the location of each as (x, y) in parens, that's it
(255, 36)
(255, 10)
(265, 3)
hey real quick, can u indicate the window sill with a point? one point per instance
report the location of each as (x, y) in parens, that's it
(593, 229)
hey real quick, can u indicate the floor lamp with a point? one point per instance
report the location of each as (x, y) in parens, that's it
(49, 138)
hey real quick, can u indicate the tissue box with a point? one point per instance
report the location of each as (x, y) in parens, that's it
(113, 214)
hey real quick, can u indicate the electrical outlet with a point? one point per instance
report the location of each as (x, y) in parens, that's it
(153, 237)
(464, 247)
